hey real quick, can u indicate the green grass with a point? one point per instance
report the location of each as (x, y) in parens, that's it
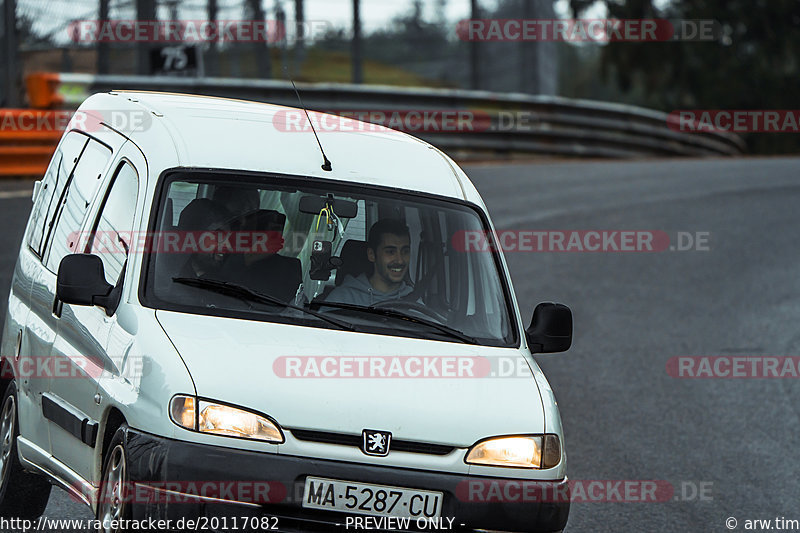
(332, 67)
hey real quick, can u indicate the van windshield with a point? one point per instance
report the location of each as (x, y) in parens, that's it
(327, 255)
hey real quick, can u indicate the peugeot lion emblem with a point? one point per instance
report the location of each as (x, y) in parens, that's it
(376, 442)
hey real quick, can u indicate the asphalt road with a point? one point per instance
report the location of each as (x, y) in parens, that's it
(625, 418)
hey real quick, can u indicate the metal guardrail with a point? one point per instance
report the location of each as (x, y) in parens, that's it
(559, 126)
(552, 125)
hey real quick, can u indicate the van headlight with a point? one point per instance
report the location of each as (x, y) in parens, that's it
(211, 417)
(531, 451)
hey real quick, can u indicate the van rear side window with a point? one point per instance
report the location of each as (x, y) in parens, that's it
(53, 184)
(71, 213)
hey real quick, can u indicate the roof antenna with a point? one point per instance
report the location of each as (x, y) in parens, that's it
(326, 165)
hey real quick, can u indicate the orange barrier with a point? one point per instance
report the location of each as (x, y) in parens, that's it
(28, 139)
(43, 90)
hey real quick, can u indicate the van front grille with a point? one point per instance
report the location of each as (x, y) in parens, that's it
(347, 439)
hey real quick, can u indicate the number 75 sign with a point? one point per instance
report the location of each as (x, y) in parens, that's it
(176, 59)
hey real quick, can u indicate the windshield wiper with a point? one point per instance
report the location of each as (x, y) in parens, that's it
(447, 330)
(246, 294)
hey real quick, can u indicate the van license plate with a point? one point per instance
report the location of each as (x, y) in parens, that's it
(374, 500)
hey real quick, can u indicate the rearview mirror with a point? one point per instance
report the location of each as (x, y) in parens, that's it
(82, 281)
(312, 205)
(551, 329)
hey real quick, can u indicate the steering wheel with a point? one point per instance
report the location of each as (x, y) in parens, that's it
(404, 304)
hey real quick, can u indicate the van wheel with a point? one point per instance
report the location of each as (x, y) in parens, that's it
(22, 495)
(114, 506)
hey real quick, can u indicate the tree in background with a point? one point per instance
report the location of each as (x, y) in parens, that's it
(412, 43)
(429, 47)
(754, 64)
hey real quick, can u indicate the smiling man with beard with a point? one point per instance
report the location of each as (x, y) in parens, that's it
(389, 250)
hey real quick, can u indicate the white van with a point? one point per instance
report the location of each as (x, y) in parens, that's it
(213, 324)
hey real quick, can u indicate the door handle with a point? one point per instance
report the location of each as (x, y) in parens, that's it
(18, 347)
(58, 306)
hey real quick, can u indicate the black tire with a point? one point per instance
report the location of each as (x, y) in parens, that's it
(114, 502)
(22, 495)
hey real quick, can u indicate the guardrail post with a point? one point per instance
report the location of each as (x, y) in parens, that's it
(11, 87)
(281, 35)
(474, 56)
(261, 50)
(358, 75)
(145, 10)
(213, 53)
(103, 66)
(524, 52)
(300, 37)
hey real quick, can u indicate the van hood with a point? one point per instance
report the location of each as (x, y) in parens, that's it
(329, 380)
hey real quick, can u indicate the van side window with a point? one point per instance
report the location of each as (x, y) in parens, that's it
(80, 192)
(53, 184)
(115, 222)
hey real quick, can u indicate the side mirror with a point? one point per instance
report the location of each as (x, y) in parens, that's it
(82, 281)
(551, 329)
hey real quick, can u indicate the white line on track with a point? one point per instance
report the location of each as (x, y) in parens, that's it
(8, 195)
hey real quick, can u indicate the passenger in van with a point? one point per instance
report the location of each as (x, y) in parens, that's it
(389, 250)
(202, 214)
(262, 268)
(237, 200)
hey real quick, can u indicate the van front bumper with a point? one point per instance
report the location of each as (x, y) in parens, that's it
(182, 480)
